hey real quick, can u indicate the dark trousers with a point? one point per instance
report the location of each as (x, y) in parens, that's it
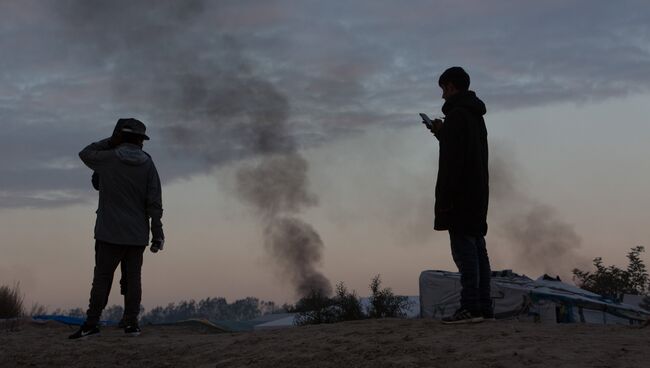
(107, 257)
(471, 258)
(123, 279)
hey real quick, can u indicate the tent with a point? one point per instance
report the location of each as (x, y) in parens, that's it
(274, 321)
(545, 300)
(74, 321)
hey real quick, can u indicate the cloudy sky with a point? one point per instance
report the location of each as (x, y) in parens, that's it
(567, 85)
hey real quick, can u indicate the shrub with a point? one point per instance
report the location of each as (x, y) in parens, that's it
(76, 313)
(37, 310)
(11, 301)
(113, 313)
(315, 308)
(384, 304)
(614, 282)
(347, 304)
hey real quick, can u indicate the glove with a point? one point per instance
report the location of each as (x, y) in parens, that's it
(156, 245)
(157, 232)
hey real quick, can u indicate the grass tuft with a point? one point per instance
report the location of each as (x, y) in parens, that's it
(11, 301)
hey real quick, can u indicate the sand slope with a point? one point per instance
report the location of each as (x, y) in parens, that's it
(376, 343)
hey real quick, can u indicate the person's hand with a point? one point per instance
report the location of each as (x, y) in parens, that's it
(156, 245)
(116, 139)
(436, 126)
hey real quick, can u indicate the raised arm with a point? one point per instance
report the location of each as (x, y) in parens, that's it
(96, 154)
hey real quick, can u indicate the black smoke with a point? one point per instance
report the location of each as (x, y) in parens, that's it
(276, 186)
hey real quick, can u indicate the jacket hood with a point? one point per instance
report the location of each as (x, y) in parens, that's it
(467, 100)
(131, 154)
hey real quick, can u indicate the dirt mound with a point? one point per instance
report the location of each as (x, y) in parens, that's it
(370, 343)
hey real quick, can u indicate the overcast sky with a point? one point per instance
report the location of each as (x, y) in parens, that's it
(566, 84)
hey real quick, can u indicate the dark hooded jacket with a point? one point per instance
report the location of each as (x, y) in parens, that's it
(129, 193)
(462, 187)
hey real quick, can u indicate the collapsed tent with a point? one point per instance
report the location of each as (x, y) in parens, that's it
(544, 300)
(68, 320)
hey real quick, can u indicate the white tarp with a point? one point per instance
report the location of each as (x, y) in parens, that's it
(636, 300)
(542, 300)
(440, 295)
(283, 320)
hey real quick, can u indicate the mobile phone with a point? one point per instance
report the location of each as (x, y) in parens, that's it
(426, 120)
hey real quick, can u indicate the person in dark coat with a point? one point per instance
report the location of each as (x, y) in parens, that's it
(130, 207)
(95, 182)
(462, 192)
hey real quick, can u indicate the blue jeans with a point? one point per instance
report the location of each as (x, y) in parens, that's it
(471, 258)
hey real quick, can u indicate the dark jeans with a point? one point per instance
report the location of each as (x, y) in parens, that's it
(471, 258)
(107, 257)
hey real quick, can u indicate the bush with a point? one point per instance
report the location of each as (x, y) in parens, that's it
(614, 282)
(315, 308)
(37, 310)
(11, 301)
(113, 313)
(76, 313)
(347, 304)
(384, 304)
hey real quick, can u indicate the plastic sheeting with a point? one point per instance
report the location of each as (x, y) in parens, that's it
(542, 300)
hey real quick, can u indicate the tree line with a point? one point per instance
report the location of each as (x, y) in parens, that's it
(610, 281)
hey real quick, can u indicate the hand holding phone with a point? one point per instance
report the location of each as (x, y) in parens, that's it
(426, 121)
(432, 125)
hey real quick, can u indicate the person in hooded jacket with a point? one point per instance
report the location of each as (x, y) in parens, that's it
(462, 192)
(95, 182)
(121, 324)
(130, 206)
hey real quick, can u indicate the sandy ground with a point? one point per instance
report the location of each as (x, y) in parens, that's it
(375, 343)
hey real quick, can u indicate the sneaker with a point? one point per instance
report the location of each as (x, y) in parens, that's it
(132, 330)
(462, 316)
(85, 331)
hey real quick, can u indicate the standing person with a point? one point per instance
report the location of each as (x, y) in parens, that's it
(462, 191)
(121, 323)
(129, 196)
(95, 182)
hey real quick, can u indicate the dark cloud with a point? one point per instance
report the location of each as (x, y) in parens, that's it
(71, 68)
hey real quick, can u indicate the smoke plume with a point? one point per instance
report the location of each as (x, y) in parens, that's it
(169, 64)
(277, 187)
(540, 240)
